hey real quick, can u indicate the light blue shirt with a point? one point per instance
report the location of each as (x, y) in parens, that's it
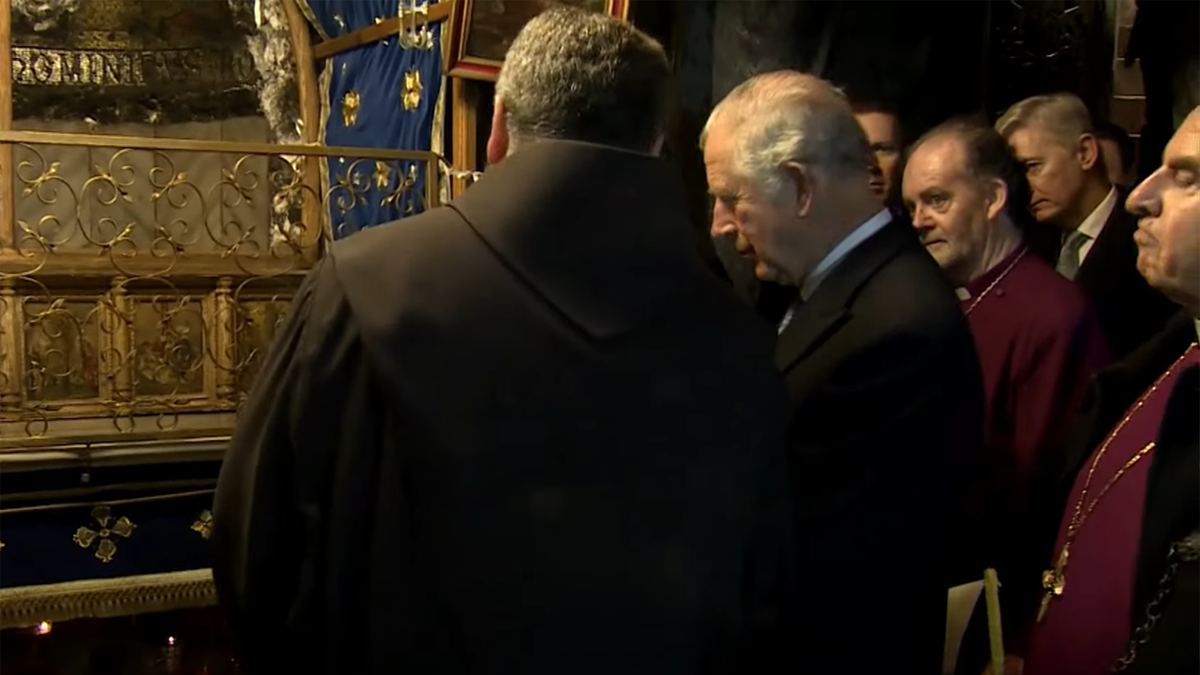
(860, 234)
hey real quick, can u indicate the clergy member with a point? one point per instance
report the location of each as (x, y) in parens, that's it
(502, 436)
(887, 400)
(1120, 590)
(1089, 237)
(1037, 339)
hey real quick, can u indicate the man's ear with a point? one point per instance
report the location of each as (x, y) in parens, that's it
(1089, 151)
(498, 141)
(800, 179)
(997, 198)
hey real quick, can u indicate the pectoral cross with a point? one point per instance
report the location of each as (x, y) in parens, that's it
(1054, 581)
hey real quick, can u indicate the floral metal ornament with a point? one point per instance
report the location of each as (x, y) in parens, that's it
(350, 103)
(203, 524)
(410, 98)
(383, 174)
(106, 548)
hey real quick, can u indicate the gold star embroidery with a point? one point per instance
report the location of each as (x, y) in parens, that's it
(411, 97)
(203, 524)
(106, 548)
(350, 107)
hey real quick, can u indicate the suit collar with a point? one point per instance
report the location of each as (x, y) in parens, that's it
(829, 307)
(1094, 224)
(1113, 245)
(860, 234)
(600, 233)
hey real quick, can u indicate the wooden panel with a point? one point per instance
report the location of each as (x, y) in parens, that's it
(1127, 81)
(1129, 113)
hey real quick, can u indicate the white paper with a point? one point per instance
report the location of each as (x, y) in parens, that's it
(960, 604)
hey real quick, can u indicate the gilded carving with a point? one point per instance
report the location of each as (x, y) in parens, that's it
(383, 175)
(203, 524)
(106, 548)
(350, 103)
(410, 98)
(146, 279)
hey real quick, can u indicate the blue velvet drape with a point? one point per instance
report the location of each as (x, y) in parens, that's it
(375, 77)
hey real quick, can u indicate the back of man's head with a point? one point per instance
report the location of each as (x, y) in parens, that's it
(788, 116)
(1108, 131)
(584, 76)
(987, 157)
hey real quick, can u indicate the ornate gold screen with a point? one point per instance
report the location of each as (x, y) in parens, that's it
(140, 288)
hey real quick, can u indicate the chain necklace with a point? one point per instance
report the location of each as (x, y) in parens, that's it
(997, 280)
(1054, 581)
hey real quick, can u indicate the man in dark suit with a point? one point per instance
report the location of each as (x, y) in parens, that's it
(1090, 238)
(1112, 582)
(526, 433)
(886, 391)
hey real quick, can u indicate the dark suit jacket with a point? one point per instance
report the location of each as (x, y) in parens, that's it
(1129, 310)
(526, 433)
(887, 412)
(1172, 509)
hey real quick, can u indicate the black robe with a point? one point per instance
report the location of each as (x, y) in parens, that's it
(526, 433)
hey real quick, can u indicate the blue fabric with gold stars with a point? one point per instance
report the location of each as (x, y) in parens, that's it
(381, 95)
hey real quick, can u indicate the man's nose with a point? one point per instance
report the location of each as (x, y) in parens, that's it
(1143, 201)
(722, 227)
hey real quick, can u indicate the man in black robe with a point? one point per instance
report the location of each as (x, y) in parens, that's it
(526, 433)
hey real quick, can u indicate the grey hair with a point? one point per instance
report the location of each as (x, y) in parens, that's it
(1064, 117)
(788, 116)
(585, 76)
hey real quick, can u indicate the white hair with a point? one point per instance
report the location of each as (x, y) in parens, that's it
(787, 116)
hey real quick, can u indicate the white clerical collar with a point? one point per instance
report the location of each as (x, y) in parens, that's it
(863, 232)
(1095, 221)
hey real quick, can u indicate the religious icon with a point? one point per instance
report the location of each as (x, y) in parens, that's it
(481, 31)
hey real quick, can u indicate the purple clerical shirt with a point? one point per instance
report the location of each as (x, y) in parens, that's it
(1087, 627)
(1039, 345)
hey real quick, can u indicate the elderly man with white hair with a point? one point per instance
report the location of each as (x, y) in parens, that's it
(885, 388)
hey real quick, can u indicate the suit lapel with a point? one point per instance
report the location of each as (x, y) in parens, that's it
(808, 328)
(1112, 247)
(829, 307)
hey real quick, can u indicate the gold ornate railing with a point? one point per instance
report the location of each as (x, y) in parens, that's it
(141, 279)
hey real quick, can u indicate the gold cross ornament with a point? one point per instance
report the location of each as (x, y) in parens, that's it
(106, 548)
(203, 524)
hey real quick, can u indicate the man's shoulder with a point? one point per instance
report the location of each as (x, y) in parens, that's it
(1048, 300)
(396, 238)
(910, 293)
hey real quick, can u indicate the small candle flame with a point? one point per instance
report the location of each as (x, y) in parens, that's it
(170, 642)
(44, 628)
